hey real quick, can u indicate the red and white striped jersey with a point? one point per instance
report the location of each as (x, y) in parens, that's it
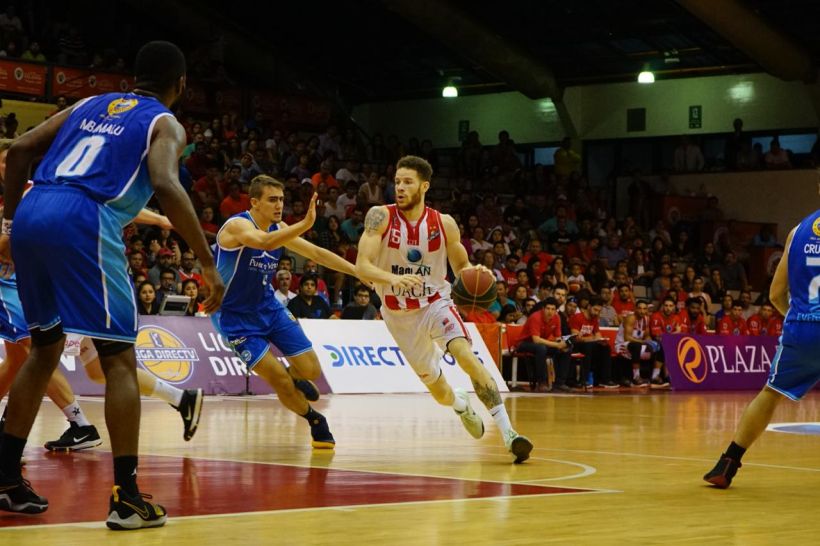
(414, 248)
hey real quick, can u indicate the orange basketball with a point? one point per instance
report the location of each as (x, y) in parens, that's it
(474, 287)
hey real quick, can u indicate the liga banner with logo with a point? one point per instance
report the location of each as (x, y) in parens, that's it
(362, 357)
(715, 362)
(24, 78)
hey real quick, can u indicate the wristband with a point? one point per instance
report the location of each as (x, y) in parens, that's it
(6, 227)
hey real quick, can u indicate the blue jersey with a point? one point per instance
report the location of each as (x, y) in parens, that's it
(247, 274)
(102, 149)
(804, 271)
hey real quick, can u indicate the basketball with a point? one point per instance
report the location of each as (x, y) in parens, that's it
(474, 288)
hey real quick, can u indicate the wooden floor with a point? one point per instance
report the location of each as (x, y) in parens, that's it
(606, 469)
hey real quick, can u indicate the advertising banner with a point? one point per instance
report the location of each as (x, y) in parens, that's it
(722, 363)
(24, 78)
(362, 357)
(81, 82)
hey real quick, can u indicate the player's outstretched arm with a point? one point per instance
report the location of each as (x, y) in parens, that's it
(375, 224)
(779, 289)
(167, 144)
(240, 232)
(320, 255)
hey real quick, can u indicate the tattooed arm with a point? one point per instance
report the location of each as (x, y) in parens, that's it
(375, 224)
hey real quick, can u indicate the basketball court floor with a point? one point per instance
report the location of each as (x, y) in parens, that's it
(607, 469)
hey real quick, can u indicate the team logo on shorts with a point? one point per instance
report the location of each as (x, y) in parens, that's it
(692, 360)
(815, 227)
(165, 355)
(120, 106)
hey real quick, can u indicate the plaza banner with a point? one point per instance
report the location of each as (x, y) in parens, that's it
(356, 357)
(23, 78)
(713, 362)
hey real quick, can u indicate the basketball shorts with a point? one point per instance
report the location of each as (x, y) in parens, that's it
(423, 335)
(251, 334)
(13, 325)
(71, 267)
(796, 365)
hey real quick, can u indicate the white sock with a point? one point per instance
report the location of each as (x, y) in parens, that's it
(459, 404)
(502, 420)
(636, 373)
(75, 414)
(167, 393)
(656, 373)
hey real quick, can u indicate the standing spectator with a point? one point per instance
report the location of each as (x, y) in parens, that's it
(688, 157)
(735, 144)
(567, 160)
(504, 157)
(777, 157)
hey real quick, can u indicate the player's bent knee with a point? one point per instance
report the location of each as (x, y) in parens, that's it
(307, 364)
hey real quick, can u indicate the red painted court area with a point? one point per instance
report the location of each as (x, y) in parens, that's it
(78, 485)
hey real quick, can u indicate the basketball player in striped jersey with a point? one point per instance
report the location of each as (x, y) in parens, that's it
(404, 251)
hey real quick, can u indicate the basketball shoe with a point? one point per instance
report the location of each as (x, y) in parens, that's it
(16, 495)
(75, 438)
(190, 408)
(128, 513)
(724, 471)
(518, 445)
(320, 434)
(469, 418)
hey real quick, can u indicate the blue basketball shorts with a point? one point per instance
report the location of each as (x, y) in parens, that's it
(796, 365)
(71, 267)
(250, 334)
(13, 325)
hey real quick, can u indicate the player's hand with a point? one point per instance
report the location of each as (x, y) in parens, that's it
(481, 268)
(6, 264)
(562, 345)
(214, 282)
(310, 216)
(164, 223)
(407, 282)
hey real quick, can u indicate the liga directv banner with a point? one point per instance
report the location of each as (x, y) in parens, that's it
(356, 356)
(362, 357)
(718, 363)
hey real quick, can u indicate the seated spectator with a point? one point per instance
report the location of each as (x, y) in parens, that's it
(136, 262)
(733, 273)
(347, 201)
(488, 212)
(551, 225)
(167, 284)
(576, 280)
(746, 304)
(765, 322)
(542, 337)
(33, 53)
(235, 202)
(370, 193)
(613, 252)
(634, 342)
(733, 324)
(349, 171)
(198, 163)
(777, 157)
(716, 288)
(165, 260)
(624, 301)
(555, 273)
(249, 168)
(663, 282)
(207, 188)
(697, 292)
(282, 293)
(595, 348)
(190, 288)
(187, 269)
(307, 304)
(360, 308)
(708, 260)
(148, 304)
(726, 307)
(206, 222)
(693, 317)
(765, 237)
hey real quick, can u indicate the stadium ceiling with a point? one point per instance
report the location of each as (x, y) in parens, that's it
(376, 50)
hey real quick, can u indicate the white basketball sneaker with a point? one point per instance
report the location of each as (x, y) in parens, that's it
(469, 418)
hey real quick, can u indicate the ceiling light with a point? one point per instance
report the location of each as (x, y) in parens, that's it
(450, 91)
(646, 77)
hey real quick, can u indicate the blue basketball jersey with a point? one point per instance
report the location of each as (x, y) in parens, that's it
(247, 274)
(804, 271)
(102, 149)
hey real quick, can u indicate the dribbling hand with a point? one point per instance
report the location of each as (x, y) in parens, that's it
(407, 282)
(217, 287)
